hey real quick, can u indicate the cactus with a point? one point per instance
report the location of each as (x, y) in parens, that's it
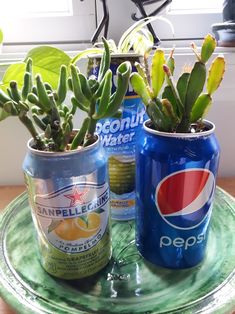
(183, 103)
(49, 121)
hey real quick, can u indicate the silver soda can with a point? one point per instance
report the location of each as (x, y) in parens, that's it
(119, 137)
(69, 198)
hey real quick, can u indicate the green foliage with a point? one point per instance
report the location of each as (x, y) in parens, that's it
(1, 36)
(46, 60)
(41, 107)
(183, 103)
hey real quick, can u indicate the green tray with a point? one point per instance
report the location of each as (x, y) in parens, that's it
(128, 284)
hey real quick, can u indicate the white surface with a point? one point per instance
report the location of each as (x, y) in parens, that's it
(13, 136)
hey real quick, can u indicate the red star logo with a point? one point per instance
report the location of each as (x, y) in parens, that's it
(78, 197)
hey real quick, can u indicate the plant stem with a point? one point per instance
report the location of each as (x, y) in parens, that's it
(92, 124)
(31, 128)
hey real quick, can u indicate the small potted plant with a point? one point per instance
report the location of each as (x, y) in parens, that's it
(119, 136)
(65, 169)
(177, 159)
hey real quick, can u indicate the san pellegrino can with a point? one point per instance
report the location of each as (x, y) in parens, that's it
(69, 197)
(118, 136)
(176, 179)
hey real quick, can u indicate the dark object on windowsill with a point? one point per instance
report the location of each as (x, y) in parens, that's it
(225, 32)
(104, 23)
(140, 5)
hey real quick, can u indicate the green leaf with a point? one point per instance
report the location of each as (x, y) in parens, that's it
(47, 61)
(195, 86)
(140, 88)
(14, 72)
(85, 53)
(125, 42)
(160, 121)
(168, 94)
(201, 107)
(1, 36)
(216, 73)
(182, 86)
(157, 72)
(208, 48)
(143, 42)
(105, 96)
(84, 218)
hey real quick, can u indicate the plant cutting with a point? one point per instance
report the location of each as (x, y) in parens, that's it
(177, 158)
(65, 169)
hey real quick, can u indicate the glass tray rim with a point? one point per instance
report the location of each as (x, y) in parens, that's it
(25, 305)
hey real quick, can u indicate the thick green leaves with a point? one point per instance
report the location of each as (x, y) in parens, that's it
(200, 107)
(78, 139)
(195, 86)
(161, 121)
(123, 75)
(77, 89)
(216, 73)
(139, 86)
(105, 96)
(182, 85)
(43, 97)
(168, 94)
(157, 73)
(62, 85)
(208, 48)
(105, 61)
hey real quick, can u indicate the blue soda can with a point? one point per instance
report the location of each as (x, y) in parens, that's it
(175, 184)
(69, 200)
(118, 137)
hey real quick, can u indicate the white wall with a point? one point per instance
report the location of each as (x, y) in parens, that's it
(13, 136)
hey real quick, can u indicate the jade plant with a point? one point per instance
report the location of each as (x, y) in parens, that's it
(46, 116)
(181, 106)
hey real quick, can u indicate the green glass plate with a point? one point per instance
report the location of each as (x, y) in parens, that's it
(128, 284)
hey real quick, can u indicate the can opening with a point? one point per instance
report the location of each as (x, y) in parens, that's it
(203, 127)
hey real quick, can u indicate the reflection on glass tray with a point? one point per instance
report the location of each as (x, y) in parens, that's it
(128, 284)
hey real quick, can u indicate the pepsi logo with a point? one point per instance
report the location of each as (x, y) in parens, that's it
(184, 198)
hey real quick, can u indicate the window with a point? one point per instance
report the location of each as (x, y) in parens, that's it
(33, 21)
(199, 6)
(192, 19)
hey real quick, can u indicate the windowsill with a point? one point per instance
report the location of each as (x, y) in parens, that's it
(16, 53)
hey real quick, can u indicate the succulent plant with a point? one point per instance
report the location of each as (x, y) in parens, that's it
(183, 103)
(49, 120)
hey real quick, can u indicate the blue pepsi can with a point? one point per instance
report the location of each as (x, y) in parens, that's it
(175, 184)
(119, 137)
